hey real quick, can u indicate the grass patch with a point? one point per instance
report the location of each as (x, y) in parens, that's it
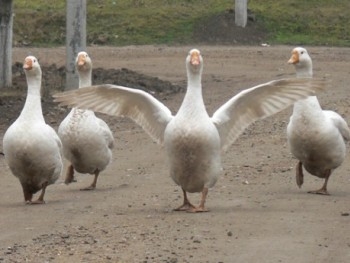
(313, 22)
(134, 22)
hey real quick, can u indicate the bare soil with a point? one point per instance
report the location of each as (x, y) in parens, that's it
(257, 212)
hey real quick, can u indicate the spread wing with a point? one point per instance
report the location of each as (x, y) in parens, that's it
(259, 102)
(143, 108)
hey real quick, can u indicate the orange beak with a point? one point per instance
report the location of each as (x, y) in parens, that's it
(294, 59)
(28, 64)
(195, 58)
(81, 60)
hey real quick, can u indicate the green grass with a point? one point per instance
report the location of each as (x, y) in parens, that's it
(313, 22)
(136, 22)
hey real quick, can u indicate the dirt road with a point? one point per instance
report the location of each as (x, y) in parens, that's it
(257, 212)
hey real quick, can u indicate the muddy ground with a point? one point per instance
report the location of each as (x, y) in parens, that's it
(257, 212)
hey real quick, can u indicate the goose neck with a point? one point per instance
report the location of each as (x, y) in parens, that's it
(34, 85)
(307, 107)
(84, 79)
(304, 70)
(304, 74)
(32, 106)
(193, 102)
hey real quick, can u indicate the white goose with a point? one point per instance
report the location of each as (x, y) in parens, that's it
(87, 140)
(192, 139)
(32, 148)
(315, 136)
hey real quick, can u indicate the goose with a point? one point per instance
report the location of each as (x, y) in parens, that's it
(32, 148)
(192, 139)
(87, 140)
(316, 137)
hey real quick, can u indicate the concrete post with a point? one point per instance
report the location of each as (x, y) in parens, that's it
(241, 12)
(75, 38)
(6, 23)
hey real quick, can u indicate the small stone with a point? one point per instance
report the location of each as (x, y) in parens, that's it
(196, 241)
(345, 214)
(229, 233)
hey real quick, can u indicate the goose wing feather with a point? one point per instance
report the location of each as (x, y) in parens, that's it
(140, 106)
(259, 102)
(339, 123)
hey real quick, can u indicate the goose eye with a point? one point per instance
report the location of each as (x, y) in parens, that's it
(302, 52)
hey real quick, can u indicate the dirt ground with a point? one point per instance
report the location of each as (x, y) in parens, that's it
(257, 212)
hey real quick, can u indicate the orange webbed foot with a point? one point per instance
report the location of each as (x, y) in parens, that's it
(185, 207)
(319, 192)
(89, 188)
(198, 210)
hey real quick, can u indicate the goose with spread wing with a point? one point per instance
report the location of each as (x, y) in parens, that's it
(87, 140)
(316, 137)
(32, 148)
(193, 140)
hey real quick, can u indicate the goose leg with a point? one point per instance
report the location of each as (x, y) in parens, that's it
(201, 207)
(40, 200)
(299, 174)
(70, 175)
(186, 204)
(27, 195)
(323, 189)
(94, 182)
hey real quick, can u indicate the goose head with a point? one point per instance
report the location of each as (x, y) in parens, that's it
(83, 62)
(302, 62)
(194, 62)
(31, 66)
